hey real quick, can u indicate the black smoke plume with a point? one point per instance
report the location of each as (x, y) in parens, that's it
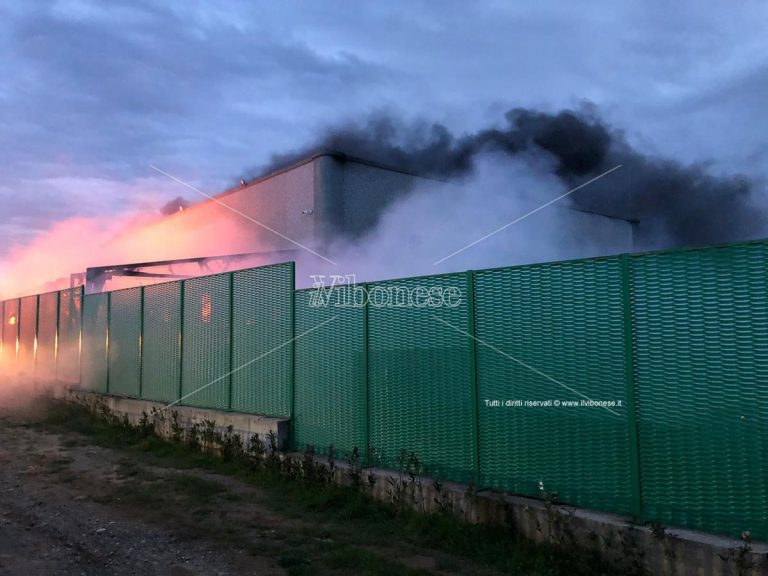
(672, 204)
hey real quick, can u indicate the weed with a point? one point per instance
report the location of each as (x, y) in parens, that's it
(742, 556)
(331, 463)
(146, 426)
(355, 469)
(308, 468)
(273, 455)
(257, 452)
(193, 438)
(442, 499)
(210, 436)
(177, 429)
(658, 530)
(231, 445)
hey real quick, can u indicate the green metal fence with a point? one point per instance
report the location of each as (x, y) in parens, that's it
(206, 336)
(47, 330)
(3, 344)
(635, 384)
(94, 365)
(69, 334)
(10, 331)
(262, 328)
(125, 322)
(554, 333)
(700, 334)
(27, 332)
(161, 342)
(420, 377)
(331, 393)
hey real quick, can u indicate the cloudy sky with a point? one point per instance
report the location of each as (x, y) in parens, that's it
(94, 92)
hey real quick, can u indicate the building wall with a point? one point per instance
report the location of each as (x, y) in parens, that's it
(310, 204)
(239, 221)
(357, 194)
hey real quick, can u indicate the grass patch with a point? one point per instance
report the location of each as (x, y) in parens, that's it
(333, 513)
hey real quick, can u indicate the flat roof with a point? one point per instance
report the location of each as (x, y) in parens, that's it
(340, 156)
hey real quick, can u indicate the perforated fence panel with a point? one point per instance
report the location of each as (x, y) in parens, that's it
(27, 331)
(2, 331)
(10, 331)
(70, 312)
(701, 349)
(262, 350)
(421, 376)
(125, 342)
(550, 334)
(206, 342)
(331, 396)
(48, 310)
(94, 355)
(161, 346)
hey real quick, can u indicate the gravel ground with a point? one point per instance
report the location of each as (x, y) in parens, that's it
(57, 515)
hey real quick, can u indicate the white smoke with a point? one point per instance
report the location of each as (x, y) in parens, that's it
(471, 223)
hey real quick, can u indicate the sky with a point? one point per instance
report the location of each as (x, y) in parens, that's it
(93, 93)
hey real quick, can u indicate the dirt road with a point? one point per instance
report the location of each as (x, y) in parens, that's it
(61, 512)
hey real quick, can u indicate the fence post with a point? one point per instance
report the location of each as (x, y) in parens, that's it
(80, 341)
(366, 455)
(36, 341)
(629, 375)
(109, 321)
(141, 344)
(292, 389)
(181, 340)
(470, 278)
(18, 331)
(231, 337)
(57, 338)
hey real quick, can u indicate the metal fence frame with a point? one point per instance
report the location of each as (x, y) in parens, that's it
(655, 296)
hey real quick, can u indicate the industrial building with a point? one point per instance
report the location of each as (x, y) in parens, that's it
(295, 213)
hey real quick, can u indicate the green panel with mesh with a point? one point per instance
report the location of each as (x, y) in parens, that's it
(27, 332)
(10, 331)
(45, 362)
(554, 332)
(420, 376)
(330, 403)
(206, 339)
(701, 350)
(262, 326)
(161, 345)
(94, 356)
(125, 342)
(68, 357)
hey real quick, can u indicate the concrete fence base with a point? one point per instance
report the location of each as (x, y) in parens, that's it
(244, 425)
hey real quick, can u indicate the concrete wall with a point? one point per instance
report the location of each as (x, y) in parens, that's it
(162, 415)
